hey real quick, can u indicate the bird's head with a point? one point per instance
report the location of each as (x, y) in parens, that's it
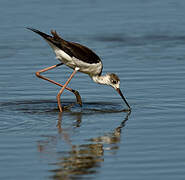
(114, 81)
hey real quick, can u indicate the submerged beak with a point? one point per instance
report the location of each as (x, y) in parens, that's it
(120, 93)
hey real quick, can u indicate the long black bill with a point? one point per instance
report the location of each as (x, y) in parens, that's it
(120, 93)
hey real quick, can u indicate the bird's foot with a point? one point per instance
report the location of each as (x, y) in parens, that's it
(78, 97)
(127, 110)
(66, 107)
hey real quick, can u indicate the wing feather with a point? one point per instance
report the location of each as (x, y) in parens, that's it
(73, 49)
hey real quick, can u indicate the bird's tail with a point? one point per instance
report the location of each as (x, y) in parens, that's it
(55, 39)
(45, 36)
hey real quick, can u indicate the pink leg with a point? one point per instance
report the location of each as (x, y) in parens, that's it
(61, 91)
(76, 93)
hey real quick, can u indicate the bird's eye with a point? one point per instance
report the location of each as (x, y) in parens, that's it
(114, 82)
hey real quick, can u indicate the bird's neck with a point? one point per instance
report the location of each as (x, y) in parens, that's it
(100, 79)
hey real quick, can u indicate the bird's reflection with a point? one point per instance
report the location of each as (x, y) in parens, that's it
(112, 139)
(85, 158)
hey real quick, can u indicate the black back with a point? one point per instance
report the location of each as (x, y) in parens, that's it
(73, 49)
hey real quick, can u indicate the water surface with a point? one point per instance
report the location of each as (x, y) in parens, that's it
(141, 41)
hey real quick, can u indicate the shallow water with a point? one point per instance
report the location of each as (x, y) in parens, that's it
(141, 41)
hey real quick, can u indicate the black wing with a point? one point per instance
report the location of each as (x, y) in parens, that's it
(80, 52)
(76, 50)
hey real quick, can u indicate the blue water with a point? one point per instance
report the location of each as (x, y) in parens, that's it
(142, 42)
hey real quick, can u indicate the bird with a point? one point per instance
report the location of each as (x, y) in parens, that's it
(79, 58)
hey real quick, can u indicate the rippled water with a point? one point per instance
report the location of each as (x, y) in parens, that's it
(141, 41)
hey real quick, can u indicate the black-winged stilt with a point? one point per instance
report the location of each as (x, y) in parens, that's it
(79, 58)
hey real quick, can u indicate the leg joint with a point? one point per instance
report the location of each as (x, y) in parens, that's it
(59, 64)
(74, 91)
(38, 74)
